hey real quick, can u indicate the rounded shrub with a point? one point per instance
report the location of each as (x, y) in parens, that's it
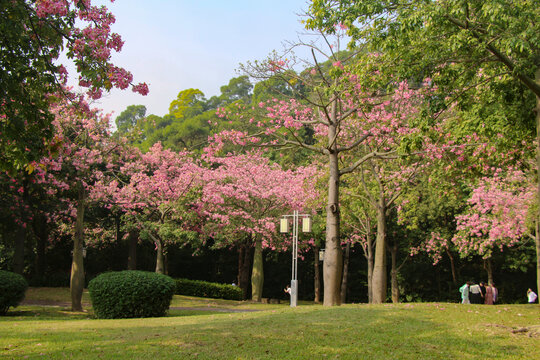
(131, 294)
(12, 289)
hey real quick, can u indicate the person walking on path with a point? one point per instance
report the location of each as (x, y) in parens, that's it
(531, 296)
(464, 290)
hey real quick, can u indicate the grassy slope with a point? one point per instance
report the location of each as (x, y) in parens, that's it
(404, 331)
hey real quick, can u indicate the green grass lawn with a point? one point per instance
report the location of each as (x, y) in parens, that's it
(200, 329)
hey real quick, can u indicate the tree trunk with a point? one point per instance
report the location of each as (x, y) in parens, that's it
(133, 239)
(537, 80)
(40, 229)
(394, 274)
(370, 260)
(332, 264)
(160, 261)
(257, 274)
(77, 264)
(379, 268)
(345, 273)
(537, 240)
(317, 275)
(165, 263)
(452, 266)
(244, 264)
(20, 235)
(489, 269)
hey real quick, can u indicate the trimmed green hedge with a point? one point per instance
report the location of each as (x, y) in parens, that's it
(12, 289)
(207, 289)
(131, 294)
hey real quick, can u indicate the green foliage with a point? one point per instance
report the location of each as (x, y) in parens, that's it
(25, 61)
(208, 289)
(12, 289)
(239, 88)
(131, 294)
(130, 118)
(187, 104)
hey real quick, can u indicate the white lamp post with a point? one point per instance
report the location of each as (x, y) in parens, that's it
(284, 228)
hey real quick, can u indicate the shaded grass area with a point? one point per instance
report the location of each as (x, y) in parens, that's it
(404, 331)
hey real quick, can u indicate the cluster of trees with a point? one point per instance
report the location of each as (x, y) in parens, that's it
(420, 139)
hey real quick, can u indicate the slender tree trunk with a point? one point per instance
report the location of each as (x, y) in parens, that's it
(345, 273)
(40, 229)
(239, 276)
(20, 236)
(244, 265)
(394, 274)
(452, 266)
(160, 261)
(77, 264)
(257, 274)
(489, 269)
(317, 276)
(370, 261)
(537, 240)
(332, 264)
(133, 239)
(165, 263)
(379, 268)
(537, 80)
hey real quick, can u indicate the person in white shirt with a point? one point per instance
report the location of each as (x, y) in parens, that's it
(531, 296)
(476, 294)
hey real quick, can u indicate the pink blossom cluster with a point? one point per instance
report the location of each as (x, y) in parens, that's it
(277, 65)
(434, 246)
(245, 194)
(497, 215)
(45, 8)
(91, 43)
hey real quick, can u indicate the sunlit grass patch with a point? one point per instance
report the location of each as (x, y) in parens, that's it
(402, 331)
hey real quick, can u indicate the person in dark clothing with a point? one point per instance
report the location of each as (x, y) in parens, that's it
(482, 291)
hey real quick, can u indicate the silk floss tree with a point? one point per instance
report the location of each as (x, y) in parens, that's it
(159, 194)
(497, 216)
(81, 149)
(242, 198)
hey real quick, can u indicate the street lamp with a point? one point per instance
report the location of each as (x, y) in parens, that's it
(284, 228)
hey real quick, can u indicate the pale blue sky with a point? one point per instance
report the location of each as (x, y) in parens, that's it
(178, 44)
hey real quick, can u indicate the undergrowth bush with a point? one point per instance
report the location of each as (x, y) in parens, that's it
(207, 289)
(12, 289)
(131, 294)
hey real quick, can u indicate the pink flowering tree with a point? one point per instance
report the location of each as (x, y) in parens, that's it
(158, 192)
(80, 151)
(461, 167)
(354, 127)
(497, 215)
(36, 34)
(380, 181)
(242, 197)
